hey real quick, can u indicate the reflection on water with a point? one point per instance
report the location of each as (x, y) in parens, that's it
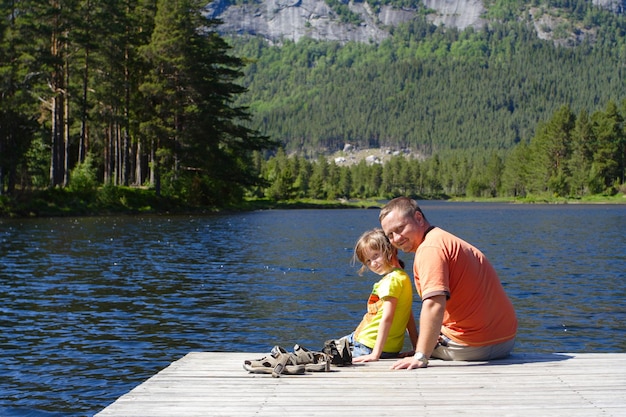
(93, 306)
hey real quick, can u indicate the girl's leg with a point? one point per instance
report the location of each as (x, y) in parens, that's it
(359, 349)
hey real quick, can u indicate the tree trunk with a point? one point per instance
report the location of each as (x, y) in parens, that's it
(83, 145)
(117, 155)
(138, 165)
(56, 150)
(66, 124)
(107, 155)
(57, 80)
(125, 168)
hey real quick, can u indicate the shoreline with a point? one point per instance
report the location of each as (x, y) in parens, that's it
(127, 201)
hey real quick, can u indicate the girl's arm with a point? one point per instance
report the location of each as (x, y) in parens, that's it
(389, 309)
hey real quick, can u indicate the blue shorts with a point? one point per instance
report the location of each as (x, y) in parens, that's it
(359, 349)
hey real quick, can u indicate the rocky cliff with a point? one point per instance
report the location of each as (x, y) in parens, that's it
(278, 20)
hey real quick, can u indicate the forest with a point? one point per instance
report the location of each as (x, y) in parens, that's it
(427, 89)
(122, 93)
(146, 95)
(571, 156)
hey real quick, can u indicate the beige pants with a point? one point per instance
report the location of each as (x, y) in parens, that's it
(450, 351)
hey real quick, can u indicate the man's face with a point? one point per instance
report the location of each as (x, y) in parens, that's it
(404, 232)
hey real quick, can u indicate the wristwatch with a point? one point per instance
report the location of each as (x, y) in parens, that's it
(421, 357)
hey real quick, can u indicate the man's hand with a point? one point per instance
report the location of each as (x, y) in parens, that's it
(409, 363)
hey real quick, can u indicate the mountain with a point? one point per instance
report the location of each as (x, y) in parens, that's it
(279, 20)
(432, 77)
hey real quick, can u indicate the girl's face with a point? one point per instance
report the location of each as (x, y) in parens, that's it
(376, 262)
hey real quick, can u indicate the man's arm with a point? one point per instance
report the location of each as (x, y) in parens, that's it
(431, 319)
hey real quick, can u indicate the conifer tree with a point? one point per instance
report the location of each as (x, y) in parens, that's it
(203, 148)
(303, 178)
(493, 174)
(17, 110)
(44, 29)
(579, 164)
(319, 177)
(550, 150)
(609, 133)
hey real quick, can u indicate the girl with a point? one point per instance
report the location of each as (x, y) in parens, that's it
(380, 334)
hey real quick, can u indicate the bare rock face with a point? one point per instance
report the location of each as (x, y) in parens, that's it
(456, 13)
(278, 20)
(616, 6)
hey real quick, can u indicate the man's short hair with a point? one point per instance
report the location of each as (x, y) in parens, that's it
(405, 205)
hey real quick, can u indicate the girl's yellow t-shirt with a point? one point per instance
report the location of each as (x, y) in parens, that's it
(396, 284)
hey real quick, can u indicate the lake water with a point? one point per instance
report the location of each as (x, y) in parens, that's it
(91, 307)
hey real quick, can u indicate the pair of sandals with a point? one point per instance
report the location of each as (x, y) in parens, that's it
(280, 362)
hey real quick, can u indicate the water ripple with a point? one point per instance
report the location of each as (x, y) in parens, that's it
(93, 306)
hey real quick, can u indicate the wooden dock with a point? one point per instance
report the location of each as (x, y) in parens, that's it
(215, 384)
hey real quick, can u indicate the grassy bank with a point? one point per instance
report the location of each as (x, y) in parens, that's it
(132, 201)
(592, 199)
(104, 201)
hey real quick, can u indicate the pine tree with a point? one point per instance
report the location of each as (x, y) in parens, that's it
(609, 133)
(17, 110)
(550, 150)
(199, 133)
(493, 174)
(319, 178)
(579, 164)
(44, 29)
(516, 171)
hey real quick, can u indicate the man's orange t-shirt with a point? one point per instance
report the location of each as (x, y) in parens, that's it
(478, 311)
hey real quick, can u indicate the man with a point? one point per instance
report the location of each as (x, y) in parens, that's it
(466, 314)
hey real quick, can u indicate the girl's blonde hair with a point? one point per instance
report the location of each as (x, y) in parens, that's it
(374, 240)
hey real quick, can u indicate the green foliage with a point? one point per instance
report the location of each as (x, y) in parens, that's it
(156, 97)
(504, 10)
(83, 178)
(550, 149)
(38, 163)
(563, 160)
(426, 88)
(193, 79)
(17, 118)
(115, 199)
(343, 12)
(146, 88)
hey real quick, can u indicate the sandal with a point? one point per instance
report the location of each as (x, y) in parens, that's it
(313, 361)
(272, 358)
(278, 362)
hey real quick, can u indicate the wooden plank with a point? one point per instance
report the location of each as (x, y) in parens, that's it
(215, 384)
